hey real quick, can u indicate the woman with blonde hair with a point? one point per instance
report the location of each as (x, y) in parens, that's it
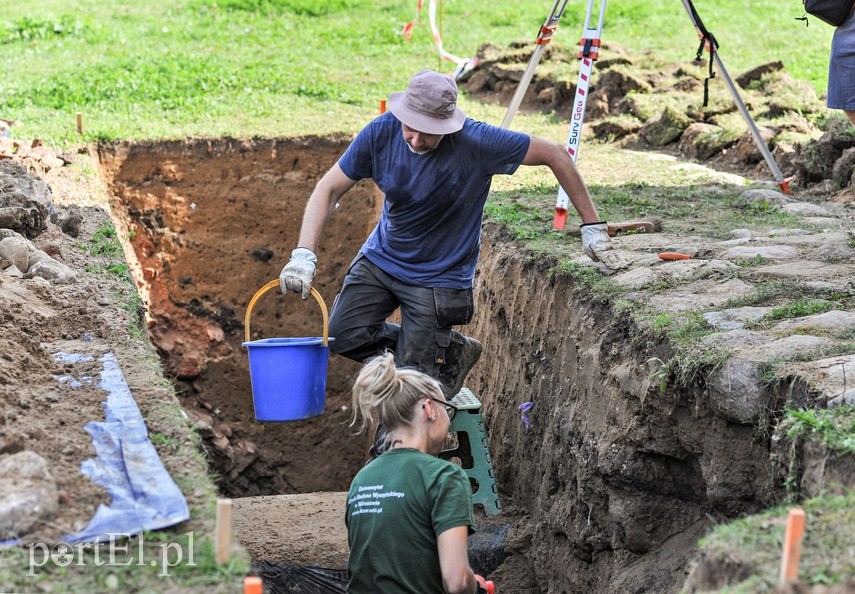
(409, 513)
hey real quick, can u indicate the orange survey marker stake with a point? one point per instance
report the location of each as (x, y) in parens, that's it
(792, 545)
(252, 585)
(382, 106)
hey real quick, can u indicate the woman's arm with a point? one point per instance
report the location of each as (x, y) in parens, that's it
(457, 576)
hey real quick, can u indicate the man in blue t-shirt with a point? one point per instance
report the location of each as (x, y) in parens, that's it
(434, 166)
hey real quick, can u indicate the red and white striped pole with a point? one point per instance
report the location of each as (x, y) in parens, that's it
(589, 51)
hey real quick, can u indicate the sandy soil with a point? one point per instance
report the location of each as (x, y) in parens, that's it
(42, 408)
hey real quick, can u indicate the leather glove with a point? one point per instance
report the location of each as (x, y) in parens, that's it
(597, 245)
(298, 273)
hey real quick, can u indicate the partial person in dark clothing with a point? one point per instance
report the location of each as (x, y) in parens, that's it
(434, 166)
(841, 69)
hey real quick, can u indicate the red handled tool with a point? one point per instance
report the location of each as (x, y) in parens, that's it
(485, 584)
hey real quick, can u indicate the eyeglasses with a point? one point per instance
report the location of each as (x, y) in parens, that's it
(449, 408)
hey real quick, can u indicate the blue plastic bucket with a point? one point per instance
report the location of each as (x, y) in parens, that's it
(288, 375)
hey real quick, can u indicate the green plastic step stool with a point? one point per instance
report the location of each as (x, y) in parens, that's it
(473, 452)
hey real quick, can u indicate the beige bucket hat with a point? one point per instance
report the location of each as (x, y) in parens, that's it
(429, 104)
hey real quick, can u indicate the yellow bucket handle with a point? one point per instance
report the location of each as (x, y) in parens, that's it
(271, 285)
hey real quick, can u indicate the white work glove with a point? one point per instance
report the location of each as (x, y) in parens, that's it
(298, 273)
(597, 245)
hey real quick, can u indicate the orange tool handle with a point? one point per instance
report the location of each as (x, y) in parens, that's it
(674, 256)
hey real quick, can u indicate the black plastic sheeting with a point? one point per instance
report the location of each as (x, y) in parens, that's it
(487, 548)
(486, 553)
(287, 578)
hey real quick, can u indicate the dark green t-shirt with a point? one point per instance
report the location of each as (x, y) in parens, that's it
(396, 507)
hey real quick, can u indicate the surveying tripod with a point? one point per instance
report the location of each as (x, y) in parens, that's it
(589, 49)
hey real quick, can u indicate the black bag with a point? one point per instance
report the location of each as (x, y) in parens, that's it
(833, 12)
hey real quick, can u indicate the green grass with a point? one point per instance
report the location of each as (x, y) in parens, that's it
(151, 562)
(835, 428)
(799, 308)
(108, 258)
(678, 204)
(827, 556)
(161, 69)
(688, 357)
(793, 299)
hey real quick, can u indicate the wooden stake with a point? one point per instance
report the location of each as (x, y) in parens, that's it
(80, 123)
(382, 106)
(252, 585)
(224, 531)
(792, 545)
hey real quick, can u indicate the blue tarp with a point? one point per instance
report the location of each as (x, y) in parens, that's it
(143, 495)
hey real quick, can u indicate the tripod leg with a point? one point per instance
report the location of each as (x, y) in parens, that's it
(752, 127)
(543, 38)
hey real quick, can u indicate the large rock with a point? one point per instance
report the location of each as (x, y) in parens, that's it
(19, 253)
(25, 200)
(833, 321)
(19, 213)
(767, 252)
(14, 177)
(43, 266)
(15, 251)
(735, 318)
(28, 493)
(737, 392)
(829, 380)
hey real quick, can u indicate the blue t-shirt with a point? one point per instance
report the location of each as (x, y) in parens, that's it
(429, 233)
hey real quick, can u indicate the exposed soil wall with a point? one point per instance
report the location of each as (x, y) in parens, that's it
(610, 487)
(210, 222)
(614, 482)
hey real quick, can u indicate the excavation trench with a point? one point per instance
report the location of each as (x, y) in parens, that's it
(208, 224)
(608, 490)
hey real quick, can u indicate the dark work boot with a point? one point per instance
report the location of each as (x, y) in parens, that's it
(460, 359)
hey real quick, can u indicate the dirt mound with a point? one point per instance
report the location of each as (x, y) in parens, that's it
(42, 408)
(642, 102)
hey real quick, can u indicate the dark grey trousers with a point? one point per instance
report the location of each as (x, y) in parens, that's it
(424, 339)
